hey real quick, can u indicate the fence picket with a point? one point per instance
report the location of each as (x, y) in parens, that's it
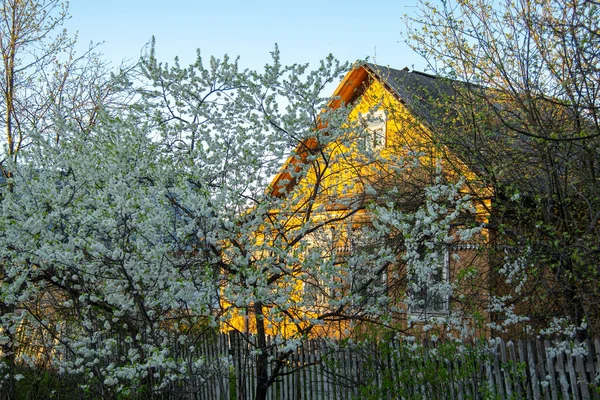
(582, 377)
(490, 377)
(590, 367)
(506, 369)
(562, 375)
(306, 393)
(572, 376)
(517, 378)
(532, 370)
(597, 353)
(498, 374)
(541, 367)
(551, 371)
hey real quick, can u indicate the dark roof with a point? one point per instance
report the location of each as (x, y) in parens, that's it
(423, 94)
(484, 145)
(437, 102)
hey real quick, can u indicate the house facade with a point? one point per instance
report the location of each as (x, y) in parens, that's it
(330, 188)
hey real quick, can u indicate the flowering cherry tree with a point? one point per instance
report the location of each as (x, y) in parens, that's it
(127, 241)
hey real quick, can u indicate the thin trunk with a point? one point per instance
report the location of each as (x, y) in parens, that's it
(262, 359)
(9, 71)
(8, 97)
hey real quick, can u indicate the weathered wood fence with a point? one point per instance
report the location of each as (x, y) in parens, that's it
(318, 370)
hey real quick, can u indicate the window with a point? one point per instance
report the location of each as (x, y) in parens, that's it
(368, 279)
(375, 129)
(430, 292)
(366, 285)
(327, 245)
(316, 292)
(370, 286)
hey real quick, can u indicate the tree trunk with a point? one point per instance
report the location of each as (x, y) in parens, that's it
(9, 54)
(262, 359)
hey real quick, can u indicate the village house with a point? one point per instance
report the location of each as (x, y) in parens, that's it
(387, 152)
(386, 139)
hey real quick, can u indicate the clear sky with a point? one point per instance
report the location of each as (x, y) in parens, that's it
(306, 31)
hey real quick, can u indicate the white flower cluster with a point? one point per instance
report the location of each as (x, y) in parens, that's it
(427, 236)
(125, 242)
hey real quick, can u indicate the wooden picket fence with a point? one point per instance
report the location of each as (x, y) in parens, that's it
(318, 370)
(329, 370)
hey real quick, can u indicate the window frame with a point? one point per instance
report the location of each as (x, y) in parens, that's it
(375, 125)
(430, 307)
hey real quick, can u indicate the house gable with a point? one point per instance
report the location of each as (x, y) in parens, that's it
(326, 188)
(412, 103)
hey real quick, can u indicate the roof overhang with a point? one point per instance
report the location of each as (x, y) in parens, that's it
(346, 92)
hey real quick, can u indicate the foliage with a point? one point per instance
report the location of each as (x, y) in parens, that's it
(426, 294)
(128, 239)
(45, 83)
(46, 87)
(413, 370)
(526, 122)
(37, 383)
(90, 235)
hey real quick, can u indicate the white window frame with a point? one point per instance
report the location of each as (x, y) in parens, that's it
(375, 125)
(431, 308)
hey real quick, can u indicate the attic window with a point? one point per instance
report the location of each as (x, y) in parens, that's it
(428, 292)
(375, 129)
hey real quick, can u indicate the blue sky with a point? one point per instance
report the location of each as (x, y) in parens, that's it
(306, 31)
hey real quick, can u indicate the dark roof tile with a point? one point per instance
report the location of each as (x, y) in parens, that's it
(422, 93)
